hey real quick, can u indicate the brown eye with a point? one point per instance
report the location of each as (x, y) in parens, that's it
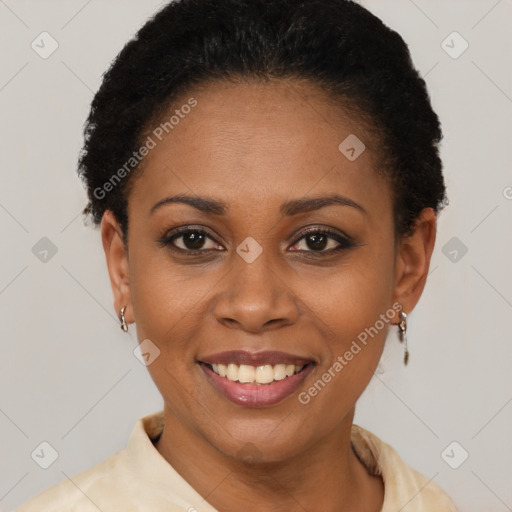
(193, 240)
(190, 240)
(322, 241)
(317, 242)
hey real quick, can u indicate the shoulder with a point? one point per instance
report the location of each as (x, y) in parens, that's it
(404, 488)
(114, 484)
(135, 479)
(80, 492)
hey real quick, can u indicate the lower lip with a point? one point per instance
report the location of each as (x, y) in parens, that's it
(256, 395)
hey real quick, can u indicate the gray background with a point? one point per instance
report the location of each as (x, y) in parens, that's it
(68, 373)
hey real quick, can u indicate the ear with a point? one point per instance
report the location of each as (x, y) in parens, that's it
(413, 260)
(117, 263)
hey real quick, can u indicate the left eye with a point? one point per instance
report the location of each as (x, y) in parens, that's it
(322, 241)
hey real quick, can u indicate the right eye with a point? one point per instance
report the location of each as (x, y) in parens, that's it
(190, 240)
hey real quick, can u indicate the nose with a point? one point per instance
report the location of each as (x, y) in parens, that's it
(255, 297)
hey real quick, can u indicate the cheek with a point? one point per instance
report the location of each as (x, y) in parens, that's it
(356, 293)
(165, 302)
(355, 309)
(165, 295)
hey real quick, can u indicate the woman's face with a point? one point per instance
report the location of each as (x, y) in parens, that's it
(255, 272)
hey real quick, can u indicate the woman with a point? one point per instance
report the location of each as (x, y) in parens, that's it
(266, 178)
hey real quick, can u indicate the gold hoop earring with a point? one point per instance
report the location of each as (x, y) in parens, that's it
(402, 328)
(124, 325)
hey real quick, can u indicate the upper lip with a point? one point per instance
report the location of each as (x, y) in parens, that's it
(271, 357)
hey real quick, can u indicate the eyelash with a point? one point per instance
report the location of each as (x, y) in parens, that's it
(345, 242)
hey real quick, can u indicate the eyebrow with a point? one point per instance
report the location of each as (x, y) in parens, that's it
(288, 209)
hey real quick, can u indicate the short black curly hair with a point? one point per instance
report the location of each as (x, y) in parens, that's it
(335, 44)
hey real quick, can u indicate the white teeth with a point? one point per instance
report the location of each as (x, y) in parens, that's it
(232, 372)
(264, 374)
(279, 371)
(246, 373)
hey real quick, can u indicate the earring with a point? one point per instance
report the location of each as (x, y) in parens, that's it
(124, 325)
(402, 328)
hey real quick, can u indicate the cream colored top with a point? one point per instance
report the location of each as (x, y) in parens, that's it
(138, 478)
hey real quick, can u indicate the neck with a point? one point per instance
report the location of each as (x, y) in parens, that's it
(327, 474)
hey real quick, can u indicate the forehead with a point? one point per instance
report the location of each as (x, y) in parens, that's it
(255, 143)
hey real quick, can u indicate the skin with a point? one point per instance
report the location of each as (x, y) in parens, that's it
(254, 146)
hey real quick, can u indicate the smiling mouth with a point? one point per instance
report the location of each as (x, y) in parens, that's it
(256, 379)
(263, 374)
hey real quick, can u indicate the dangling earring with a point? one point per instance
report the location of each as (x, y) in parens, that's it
(124, 325)
(402, 328)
